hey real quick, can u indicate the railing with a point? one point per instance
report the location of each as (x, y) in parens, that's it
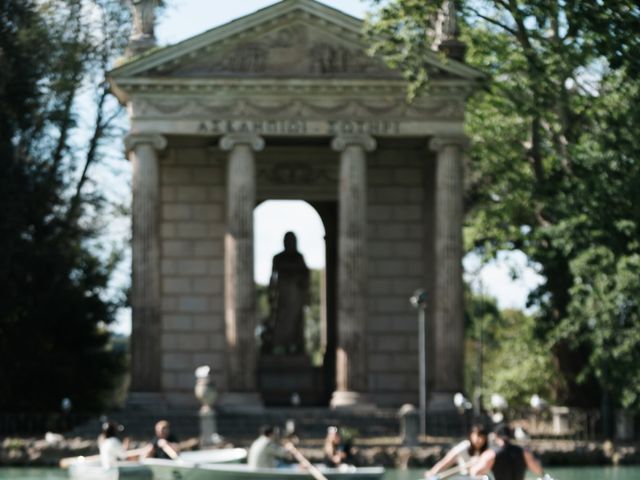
(548, 423)
(558, 422)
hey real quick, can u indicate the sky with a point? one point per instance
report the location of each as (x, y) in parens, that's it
(509, 279)
(182, 19)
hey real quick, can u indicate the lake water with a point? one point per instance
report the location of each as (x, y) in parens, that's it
(581, 473)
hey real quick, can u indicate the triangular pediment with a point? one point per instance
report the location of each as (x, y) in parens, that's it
(291, 39)
(296, 47)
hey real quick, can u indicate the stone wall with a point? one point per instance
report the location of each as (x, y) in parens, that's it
(192, 269)
(397, 248)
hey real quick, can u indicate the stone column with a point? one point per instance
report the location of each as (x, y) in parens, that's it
(239, 295)
(448, 321)
(351, 355)
(146, 322)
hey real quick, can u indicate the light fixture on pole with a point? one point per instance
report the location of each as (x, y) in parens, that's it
(462, 403)
(499, 405)
(419, 301)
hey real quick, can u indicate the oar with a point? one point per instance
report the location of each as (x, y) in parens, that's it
(169, 450)
(68, 461)
(312, 469)
(453, 470)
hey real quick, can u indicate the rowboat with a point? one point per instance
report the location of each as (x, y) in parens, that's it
(460, 477)
(171, 470)
(90, 468)
(93, 470)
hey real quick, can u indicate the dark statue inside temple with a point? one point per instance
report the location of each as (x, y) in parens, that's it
(283, 331)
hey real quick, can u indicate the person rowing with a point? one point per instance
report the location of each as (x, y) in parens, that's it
(112, 450)
(506, 461)
(463, 454)
(164, 444)
(266, 451)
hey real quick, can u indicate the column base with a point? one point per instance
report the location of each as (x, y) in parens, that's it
(347, 400)
(441, 402)
(242, 402)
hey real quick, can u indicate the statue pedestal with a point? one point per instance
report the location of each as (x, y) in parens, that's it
(280, 376)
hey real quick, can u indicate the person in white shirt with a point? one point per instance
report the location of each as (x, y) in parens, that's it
(465, 453)
(111, 448)
(265, 452)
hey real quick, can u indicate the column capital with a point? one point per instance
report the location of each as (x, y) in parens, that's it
(157, 141)
(367, 142)
(229, 141)
(437, 143)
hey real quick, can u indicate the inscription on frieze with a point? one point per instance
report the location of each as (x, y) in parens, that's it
(300, 127)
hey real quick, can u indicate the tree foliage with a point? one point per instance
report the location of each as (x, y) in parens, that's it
(54, 275)
(554, 170)
(504, 355)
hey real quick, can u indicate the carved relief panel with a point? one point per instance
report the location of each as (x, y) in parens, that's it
(297, 48)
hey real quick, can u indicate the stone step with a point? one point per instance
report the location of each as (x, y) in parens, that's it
(309, 422)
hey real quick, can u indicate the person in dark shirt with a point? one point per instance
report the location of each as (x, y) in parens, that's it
(164, 444)
(506, 461)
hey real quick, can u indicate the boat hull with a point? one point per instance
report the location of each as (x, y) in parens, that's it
(92, 470)
(83, 469)
(168, 470)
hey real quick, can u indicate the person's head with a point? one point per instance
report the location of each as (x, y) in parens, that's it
(503, 433)
(267, 430)
(479, 439)
(333, 435)
(111, 429)
(290, 242)
(162, 429)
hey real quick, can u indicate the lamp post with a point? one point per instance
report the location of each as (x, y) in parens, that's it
(65, 408)
(419, 301)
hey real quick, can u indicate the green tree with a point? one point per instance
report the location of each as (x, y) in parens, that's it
(504, 355)
(554, 170)
(54, 270)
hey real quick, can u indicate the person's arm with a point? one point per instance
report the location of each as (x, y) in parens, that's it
(119, 450)
(170, 447)
(448, 459)
(533, 464)
(149, 451)
(484, 463)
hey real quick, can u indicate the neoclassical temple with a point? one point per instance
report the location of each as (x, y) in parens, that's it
(285, 103)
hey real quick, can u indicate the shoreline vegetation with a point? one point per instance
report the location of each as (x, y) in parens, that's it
(385, 451)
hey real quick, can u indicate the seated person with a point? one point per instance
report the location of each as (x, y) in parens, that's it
(164, 444)
(464, 453)
(336, 451)
(506, 461)
(265, 451)
(111, 448)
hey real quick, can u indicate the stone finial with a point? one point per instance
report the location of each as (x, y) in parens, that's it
(448, 32)
(449, 22)
(144, 17)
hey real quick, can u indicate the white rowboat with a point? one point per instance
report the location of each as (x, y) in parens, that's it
(91, 469)
(170, 470)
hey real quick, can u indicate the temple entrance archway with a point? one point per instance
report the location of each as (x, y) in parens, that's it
(310, 379)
